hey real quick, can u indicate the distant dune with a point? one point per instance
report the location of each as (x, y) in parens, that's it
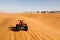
(41, 27)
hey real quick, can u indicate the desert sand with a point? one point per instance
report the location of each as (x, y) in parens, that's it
(40, 27)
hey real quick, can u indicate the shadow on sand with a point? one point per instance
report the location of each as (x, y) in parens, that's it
(12, 28)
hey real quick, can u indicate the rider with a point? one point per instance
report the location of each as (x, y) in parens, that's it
(21, 22)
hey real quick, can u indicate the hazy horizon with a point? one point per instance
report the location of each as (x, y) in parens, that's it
(29, 5)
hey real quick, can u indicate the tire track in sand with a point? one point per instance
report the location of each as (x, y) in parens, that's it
(34, 32)
(48, 36)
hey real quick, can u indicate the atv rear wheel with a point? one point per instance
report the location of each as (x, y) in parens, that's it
(26, 28)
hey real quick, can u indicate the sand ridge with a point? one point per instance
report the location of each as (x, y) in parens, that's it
(41, 27)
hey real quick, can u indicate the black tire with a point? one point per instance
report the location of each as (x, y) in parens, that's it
(26, 28)
(17, 27)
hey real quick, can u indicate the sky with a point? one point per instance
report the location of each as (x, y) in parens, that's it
(29, 5)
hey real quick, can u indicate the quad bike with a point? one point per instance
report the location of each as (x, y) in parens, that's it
(20, 25)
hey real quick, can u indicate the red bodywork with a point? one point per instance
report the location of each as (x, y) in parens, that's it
(21, 22)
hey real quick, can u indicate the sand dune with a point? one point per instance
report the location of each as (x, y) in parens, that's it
(41, 27)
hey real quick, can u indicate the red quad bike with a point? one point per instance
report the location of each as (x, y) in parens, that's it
(21, 25)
